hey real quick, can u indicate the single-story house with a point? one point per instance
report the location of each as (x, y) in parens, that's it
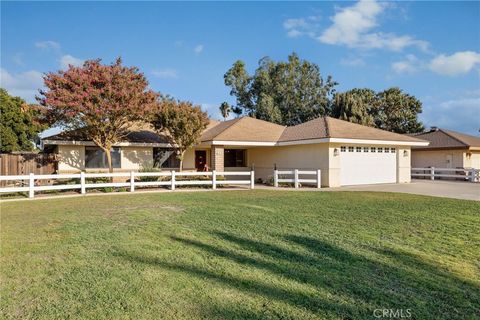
(347, 153)
(447, 149)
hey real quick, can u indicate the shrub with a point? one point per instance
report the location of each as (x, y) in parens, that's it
(149, 179)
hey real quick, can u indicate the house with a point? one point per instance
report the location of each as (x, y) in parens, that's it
(347, 153)
(447, 149)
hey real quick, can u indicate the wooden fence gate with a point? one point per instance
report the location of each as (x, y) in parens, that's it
(26, 163)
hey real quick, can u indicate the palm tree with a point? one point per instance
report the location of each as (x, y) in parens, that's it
(225, 110)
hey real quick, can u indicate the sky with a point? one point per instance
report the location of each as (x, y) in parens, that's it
(429, 49)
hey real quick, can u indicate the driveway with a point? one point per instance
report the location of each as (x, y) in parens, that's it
(446, 189)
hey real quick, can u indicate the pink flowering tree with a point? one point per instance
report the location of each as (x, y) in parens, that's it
(101, 100)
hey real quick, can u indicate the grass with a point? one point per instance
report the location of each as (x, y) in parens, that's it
(240, 254)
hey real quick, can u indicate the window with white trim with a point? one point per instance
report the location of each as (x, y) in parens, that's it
(350, 149)
(373, 149)
(393, 150)
(343, 149)
(387, 150)
(365, 149)
(380, 150)
(359, 149)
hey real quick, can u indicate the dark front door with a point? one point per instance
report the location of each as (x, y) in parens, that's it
(200, 159)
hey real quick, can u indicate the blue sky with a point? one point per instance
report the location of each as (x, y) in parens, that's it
(429, 49)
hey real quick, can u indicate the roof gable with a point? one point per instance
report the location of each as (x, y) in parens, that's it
(442, 138)
(244, 129)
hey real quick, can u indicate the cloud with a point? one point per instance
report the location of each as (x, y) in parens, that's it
(455, 64)
(165, 74)
(302, 26)
(353, 27)
(352, 62)
(457, 114)
(24, 85)
(47, 45)
(408, 66)
(67, 60)
(18, 60)
(198, 49)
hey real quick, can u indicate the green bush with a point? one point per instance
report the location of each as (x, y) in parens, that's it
(149, 179)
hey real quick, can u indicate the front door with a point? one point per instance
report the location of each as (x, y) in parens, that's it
(449, 160)
(200, 159)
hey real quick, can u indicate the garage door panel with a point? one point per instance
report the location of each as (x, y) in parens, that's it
(367, 168)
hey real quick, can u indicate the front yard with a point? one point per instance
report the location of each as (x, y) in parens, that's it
(240, 254)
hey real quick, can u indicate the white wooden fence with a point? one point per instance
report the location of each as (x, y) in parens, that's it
(26, 183)
(431, 173)
(278, 177)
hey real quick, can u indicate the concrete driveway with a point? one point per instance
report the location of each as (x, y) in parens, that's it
(447, 189)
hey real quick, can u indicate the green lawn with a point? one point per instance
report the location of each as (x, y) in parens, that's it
(240, 254)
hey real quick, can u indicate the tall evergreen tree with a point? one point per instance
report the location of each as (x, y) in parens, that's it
(286, 92)
(19, 123)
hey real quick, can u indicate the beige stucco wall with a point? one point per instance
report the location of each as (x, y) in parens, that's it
(310, 156)
(71, 158)
(135, 158)
(404, 155)
(438, 158)
(474, 160)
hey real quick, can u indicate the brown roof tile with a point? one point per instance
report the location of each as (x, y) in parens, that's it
(444, 139)
(327, 127)
(244, 129)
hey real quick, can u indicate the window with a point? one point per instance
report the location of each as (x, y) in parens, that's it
(387, 150)
(392, 150)
(365, 149)
(350, 149)
(359, 149)
(95, 158)
(165, 158)
(380, 150)
(373, 149)
(234, 158)
(343, 148)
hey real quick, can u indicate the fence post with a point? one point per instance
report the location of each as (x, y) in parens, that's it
(82, 183)
(275, 177)
(173, 181)
(432, 173)
(252, 179)
(132, 181)
(296, 179)
(31, 184)
(214, 179)
(319, 178)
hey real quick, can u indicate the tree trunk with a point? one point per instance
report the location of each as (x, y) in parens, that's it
(180, 157)
(109, 160)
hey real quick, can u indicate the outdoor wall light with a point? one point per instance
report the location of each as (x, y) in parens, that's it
(405, 153)
(335, 152)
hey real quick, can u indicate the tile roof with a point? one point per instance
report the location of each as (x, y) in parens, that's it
(254, 130)
(244, 129)
(141, 133)
(250, 129)
(444, 139)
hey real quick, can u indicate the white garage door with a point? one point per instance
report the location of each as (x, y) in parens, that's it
(367, 165)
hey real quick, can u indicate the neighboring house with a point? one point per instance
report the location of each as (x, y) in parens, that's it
(447, 149)
(347, 153)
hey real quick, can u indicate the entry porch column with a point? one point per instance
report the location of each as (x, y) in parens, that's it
(217, 158)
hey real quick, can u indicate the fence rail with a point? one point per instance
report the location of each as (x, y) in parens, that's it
(296, 180)
(26, 183)
(472, 175)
